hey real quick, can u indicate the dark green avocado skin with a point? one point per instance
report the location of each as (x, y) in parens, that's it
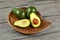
(29, 10)
(18, 13)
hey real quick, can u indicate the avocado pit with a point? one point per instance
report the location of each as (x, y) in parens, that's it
(35, 21)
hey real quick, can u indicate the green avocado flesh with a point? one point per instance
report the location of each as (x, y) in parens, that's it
(29, 10)
(18, 13)
(35, 20)
(22, 23)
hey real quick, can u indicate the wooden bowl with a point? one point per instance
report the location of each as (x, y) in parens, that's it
(29, 30)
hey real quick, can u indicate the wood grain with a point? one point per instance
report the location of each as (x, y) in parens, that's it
(54, 36)
(15, 3)
(49, 10)
(45, 10)
(8, 4)
(5, 29)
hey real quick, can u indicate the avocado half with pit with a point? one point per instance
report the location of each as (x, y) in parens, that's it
(22, 23)
(35, 20)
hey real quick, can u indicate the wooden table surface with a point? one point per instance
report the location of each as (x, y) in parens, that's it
(50, 10)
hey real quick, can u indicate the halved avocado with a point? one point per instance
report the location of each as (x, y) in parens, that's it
(35, 20)
(22, 23)
(18, 13)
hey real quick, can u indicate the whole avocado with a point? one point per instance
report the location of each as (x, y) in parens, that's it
(29, 10)
(18, 13)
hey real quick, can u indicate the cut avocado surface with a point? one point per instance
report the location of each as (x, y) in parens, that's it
(22, 23)
(35, 20)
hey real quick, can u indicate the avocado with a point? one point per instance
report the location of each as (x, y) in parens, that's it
(18, 13)
(35, 20)
(23, 23)
(29, 10)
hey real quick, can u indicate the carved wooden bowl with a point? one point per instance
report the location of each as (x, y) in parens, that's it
(29, 30)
